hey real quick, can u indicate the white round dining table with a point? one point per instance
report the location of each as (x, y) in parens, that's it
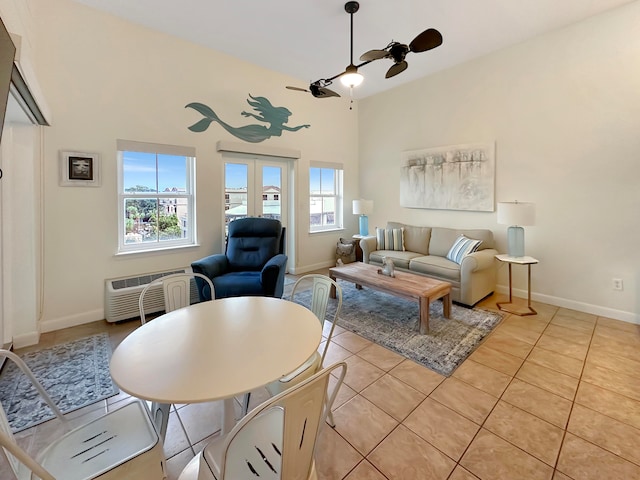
(215, 350)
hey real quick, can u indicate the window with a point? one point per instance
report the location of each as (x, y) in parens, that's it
(325, 197)
(156, 196)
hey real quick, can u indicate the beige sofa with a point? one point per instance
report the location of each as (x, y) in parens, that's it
(425, 252)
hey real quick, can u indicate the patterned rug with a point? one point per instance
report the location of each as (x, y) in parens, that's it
(393, 323)
(75, 374)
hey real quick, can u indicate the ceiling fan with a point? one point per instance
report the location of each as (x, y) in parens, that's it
(427, 40)
(396, 51)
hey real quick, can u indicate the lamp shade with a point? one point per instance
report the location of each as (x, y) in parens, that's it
(351, 77)
(362, 207)
(516, 213)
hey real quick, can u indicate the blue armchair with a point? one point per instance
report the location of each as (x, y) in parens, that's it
(254, 262)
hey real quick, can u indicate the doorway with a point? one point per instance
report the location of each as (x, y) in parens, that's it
(256, 187)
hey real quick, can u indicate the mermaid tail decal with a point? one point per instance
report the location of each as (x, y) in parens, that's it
(208, 113)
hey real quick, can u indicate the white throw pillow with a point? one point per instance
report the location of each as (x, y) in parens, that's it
(462, 247)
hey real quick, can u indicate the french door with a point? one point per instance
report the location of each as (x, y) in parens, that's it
(255, 187)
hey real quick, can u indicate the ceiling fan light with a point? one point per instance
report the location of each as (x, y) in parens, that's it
(351, 78)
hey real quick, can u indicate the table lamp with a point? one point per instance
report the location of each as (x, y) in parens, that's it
(516, 214)
(363, 208)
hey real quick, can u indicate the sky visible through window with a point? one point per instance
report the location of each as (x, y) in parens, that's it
(140, 169)
(236, 175)
(326, 175)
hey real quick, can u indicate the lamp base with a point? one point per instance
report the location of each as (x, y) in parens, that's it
(515, 241)
(364, 225)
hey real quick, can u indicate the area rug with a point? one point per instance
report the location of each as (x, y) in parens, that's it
(392, 322)
(75, 374)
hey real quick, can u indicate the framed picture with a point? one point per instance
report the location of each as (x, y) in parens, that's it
(79, 169)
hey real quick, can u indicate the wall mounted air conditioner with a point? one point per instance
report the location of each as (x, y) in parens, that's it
(123, 294)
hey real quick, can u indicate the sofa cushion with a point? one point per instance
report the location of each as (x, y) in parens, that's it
(390, 239)
(462, 247)
(435, 266)
(443, 238)
(416, 239)
(400, 259)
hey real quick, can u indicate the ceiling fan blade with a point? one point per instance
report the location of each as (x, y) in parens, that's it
(396, 68)
(325, 92)
(321, 92)
(430, 38)
(372, 55)
(297, 88)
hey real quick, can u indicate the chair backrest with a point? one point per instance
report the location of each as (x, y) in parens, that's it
(252, 242)
(176, 290)
(320, 294)
(277, 439)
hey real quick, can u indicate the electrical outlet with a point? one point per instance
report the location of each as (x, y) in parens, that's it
(617, 284)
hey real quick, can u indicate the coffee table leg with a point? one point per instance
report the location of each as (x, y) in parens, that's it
(446, 305)
(424, 315)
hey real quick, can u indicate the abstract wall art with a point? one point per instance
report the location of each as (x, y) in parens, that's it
(455, 177)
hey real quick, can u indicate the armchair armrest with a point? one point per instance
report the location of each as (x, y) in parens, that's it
(211, 266)
(272, 275)
(368, 245)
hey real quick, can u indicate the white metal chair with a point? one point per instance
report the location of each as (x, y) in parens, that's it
(274, 441)
(176, 291)
(121, 444)
(320, 294)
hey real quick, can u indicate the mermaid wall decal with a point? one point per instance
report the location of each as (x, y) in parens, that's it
(276, 117)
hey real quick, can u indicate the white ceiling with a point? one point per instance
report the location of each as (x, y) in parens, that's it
(309, 39)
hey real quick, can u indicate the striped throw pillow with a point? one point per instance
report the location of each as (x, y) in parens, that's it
(390, 239)
(462, 247)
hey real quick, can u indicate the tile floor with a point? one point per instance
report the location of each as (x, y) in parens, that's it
(551, 396)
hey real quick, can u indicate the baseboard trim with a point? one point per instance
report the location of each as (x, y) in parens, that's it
(26, 340)
(311, 268)
(598, 310)
(71, 321)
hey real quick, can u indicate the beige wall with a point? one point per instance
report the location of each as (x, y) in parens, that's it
(106, 79)
(564, 112)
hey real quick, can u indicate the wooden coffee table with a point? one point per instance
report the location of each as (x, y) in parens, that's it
(405, 285)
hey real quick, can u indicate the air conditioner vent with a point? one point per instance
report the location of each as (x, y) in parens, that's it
(141, 280)
(123, 294)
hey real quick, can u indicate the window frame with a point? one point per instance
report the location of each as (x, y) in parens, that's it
(337, 195)
(189, 194)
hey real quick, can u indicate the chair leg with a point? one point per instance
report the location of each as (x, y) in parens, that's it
(160, 417)
(330, 420)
